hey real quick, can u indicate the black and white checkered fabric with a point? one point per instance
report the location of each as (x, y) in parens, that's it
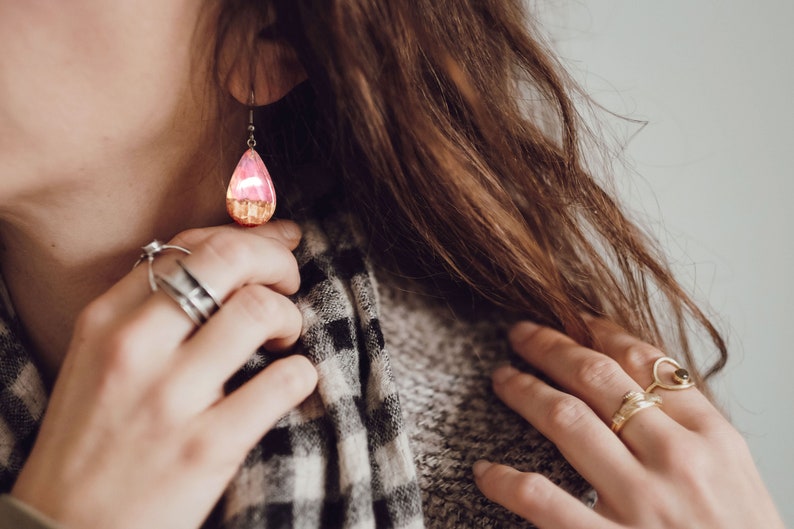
(341, 459)
(22, 401)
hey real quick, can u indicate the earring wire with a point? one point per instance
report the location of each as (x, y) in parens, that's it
(251, 140)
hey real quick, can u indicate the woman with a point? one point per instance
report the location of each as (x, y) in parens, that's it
(409, 145)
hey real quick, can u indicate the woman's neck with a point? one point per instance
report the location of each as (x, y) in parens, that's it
(63, 248)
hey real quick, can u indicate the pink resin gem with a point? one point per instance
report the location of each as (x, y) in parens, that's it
(250, 198)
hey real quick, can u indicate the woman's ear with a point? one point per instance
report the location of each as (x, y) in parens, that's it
(268, 67)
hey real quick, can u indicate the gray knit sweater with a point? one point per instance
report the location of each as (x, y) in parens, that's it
(442, 367)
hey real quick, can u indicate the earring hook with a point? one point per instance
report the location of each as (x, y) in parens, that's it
(251, 140)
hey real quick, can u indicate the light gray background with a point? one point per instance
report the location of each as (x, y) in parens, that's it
(713, 175)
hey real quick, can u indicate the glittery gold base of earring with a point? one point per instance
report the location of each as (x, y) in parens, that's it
(250, 213)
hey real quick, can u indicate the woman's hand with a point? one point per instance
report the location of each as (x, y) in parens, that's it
(679, 466)
(138, 432)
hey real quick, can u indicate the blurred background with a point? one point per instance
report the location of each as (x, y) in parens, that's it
(710, 174)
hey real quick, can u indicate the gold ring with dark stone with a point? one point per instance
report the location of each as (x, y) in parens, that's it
(681, 377)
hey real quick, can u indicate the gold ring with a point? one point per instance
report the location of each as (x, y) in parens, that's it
(681, 377)
(633, 401)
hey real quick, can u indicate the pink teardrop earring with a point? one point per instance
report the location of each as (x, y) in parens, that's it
(250, 198)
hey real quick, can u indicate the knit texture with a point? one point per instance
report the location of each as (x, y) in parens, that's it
(442, 363)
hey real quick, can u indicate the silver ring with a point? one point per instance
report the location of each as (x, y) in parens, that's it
(197, 300)
(150, 251)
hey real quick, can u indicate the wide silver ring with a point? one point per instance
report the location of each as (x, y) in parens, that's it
(197, 300)
(150, 251)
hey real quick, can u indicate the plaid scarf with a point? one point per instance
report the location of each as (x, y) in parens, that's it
(340, 460)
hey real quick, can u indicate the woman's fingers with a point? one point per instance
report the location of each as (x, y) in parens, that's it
(656, 473)
(599, 381)
(595, 378)
(133, 290)
(688, 407)
(535, 498)
(570, 424)
(257, 316)
(224, 262)
(231, 258)
(243, 417)
(286, 232)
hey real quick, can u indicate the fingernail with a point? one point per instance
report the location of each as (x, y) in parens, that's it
(301, 370)
(480, 467)
(521, 331)
(291, 230)
(501, 374)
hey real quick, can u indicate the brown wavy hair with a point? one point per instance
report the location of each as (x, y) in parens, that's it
(459, 140)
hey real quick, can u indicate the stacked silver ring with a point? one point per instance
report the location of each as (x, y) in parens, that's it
(150, 251)
(196, 299)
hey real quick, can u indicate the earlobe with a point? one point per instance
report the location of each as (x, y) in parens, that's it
(273, 70)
